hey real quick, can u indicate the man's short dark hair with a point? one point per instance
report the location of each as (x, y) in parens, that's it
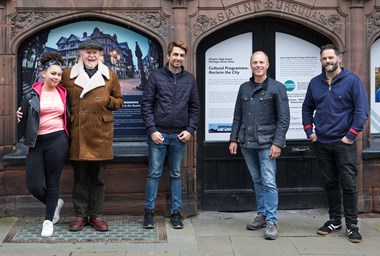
(330, 47)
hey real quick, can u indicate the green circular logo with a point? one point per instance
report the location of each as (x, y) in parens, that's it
(290, 85)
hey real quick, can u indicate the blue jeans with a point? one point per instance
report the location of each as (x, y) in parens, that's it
(263, 172)
(337, 162)
(157, 153)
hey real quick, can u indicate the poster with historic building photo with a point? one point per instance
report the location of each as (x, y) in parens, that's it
(131, 55)
(375, 87)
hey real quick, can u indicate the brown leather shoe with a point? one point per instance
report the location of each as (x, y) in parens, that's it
(99, 224)
(78, 224)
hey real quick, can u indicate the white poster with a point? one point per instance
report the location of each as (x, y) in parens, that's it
(297, 61)
(227, 67)
(375, 87)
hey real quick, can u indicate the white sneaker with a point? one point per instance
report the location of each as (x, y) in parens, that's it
(57, 210)
(47, 228)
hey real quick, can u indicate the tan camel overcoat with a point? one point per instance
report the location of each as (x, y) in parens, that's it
(92, 101)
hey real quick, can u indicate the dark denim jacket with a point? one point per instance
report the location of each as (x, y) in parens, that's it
(261, 116)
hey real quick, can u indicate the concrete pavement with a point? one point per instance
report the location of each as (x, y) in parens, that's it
(221, 234)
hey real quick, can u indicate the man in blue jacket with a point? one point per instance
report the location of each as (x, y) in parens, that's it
(261, 120)
(337, 105)
(170, 110)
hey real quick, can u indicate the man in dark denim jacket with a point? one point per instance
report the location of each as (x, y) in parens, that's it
(261, 120)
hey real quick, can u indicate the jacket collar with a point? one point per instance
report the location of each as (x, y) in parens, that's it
(87, 83)
(264, 84)
(342, 74)
(38, 87)
(167, 70)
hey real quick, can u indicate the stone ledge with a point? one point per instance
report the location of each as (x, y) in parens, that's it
(122, 151)
(373, 151)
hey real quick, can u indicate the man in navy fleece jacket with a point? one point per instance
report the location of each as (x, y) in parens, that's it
(337, 105)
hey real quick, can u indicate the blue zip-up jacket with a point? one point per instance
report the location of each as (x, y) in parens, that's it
(341, 109)
(170, 103)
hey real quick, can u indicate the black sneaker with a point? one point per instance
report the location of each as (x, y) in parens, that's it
(353, 234)
(330, 226)
(148, 219)
(176, 220)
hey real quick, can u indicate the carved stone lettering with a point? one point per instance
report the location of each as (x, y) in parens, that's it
(333, 21)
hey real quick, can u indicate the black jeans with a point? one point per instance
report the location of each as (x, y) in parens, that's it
(338, 165)
(44, 165)
(88, 191)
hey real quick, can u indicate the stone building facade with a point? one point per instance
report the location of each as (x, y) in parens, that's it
(353, 25)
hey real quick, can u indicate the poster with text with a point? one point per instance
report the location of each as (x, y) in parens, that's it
(295, 66)
(227, 67)
(375, 87)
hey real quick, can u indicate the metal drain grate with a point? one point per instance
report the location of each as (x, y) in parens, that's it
(121, 229)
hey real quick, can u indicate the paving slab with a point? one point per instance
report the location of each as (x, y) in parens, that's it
(259, 246)
(326, 245)
(214, 244)
(220, 234)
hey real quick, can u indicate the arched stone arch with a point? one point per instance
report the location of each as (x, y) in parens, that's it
(337, 39)
(26, 23)
(373, 27)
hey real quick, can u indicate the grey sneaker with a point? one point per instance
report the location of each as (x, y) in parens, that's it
(258, 222)
(271, 231)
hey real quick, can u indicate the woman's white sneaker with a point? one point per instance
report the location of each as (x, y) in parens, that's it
(47, 228)
(57, 210)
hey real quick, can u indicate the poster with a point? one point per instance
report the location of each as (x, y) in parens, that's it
(130, 55)
(375, 87)
(295, 66)
(226, 69)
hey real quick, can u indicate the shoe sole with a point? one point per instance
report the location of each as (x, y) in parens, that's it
(256, 228)
(177, 227)
(270, 237)
(45, 236)
(326, 233)
(98, 229)
(148, 227)
(77, 229)
(354, 241)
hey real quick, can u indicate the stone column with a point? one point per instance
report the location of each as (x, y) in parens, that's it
(181, 31)
(357, 53)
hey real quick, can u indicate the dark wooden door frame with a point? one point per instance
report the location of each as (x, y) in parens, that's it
(223, 181)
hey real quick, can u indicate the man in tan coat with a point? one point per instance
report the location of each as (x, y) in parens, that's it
(94, 92)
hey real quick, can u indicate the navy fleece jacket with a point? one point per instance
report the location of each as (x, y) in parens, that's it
(341, 109)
